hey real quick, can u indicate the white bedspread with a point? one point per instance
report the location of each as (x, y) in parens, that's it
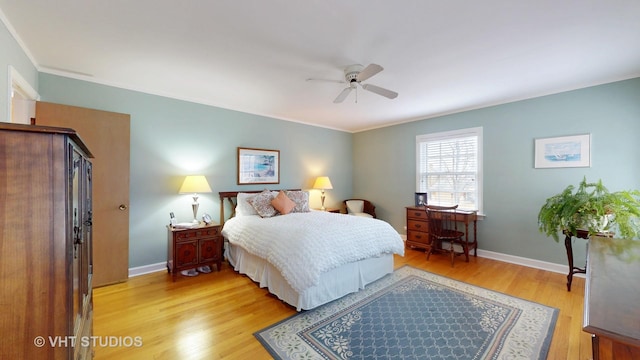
(304, 245)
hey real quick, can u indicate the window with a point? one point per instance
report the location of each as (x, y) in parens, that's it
(449, 168)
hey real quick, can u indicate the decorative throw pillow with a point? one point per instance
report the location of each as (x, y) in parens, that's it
(282, 203)
(301, 198)
(355, 206)
(262, 204)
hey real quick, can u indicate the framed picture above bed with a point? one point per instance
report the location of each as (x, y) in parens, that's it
(258, 166)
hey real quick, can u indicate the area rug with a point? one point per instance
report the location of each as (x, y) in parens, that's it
(414, 314)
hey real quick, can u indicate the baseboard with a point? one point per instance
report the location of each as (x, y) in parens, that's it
(532, 263)
(147, 269)
(518, 260)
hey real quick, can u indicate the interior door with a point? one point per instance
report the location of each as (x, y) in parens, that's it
(107, 136)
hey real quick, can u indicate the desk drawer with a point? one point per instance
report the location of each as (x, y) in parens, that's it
(415, 225)
(416, 214)
(418, 237)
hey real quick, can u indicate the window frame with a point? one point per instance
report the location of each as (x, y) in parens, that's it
(448, 135)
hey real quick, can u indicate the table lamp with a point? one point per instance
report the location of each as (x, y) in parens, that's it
(194, 184)
(323, 183)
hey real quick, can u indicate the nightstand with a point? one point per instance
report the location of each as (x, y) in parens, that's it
(194, 247)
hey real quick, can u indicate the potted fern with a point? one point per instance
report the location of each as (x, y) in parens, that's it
(592, 208)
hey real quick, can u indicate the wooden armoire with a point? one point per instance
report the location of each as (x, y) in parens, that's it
(46, 302)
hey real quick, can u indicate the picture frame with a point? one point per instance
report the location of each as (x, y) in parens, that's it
(258, 166)
(206, 218)
(421, 199)
(563, 151)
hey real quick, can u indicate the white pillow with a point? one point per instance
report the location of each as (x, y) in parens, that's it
(362, 215)
(243, 208)
(355, 206)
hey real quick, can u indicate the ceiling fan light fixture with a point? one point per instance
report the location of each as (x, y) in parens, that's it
(354, 75)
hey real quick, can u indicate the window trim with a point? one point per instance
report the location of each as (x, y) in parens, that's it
(444, 135)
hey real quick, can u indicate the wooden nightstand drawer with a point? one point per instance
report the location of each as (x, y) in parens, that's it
(197, 233)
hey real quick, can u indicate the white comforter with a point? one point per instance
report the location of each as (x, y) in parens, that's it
(304, 245)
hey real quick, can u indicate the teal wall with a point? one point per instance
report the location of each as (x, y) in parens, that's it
(11, 54)
(384, 161)
(172, 138)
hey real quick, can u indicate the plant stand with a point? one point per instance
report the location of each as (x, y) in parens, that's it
(581, 234)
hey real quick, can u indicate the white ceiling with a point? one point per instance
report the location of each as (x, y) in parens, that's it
(255, 55)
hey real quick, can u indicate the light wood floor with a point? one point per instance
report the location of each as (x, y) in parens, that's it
(214, 316)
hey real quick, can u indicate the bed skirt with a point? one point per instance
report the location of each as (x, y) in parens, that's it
(333, 284)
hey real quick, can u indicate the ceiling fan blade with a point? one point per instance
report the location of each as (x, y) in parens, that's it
(343, 95)
(327, 80)
(369, 71)
(380, 91)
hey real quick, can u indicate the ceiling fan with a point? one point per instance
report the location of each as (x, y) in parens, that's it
(354, 75)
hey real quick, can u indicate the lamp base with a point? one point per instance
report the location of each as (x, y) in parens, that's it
(194, 207)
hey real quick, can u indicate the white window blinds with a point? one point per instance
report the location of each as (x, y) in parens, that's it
(448, 168)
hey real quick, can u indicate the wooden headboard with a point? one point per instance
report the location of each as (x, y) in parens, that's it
(231, 195)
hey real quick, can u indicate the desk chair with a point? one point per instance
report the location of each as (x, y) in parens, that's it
(442, 228)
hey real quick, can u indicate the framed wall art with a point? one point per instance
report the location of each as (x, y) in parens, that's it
(563, 151)
(258, 166)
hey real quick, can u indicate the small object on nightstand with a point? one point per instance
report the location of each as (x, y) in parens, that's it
(186, 225)
(206, 218)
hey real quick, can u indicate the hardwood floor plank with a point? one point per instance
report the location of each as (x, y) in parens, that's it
(214, 316)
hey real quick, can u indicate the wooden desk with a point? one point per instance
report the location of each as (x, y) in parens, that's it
(418, 227)
(612, 299)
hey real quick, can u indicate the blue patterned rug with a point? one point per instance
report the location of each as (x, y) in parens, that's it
(414, 314)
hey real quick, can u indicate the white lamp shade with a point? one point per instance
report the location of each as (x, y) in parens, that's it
(322, 182)
(194, 184)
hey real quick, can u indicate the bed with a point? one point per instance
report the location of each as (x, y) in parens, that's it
(304, 257)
